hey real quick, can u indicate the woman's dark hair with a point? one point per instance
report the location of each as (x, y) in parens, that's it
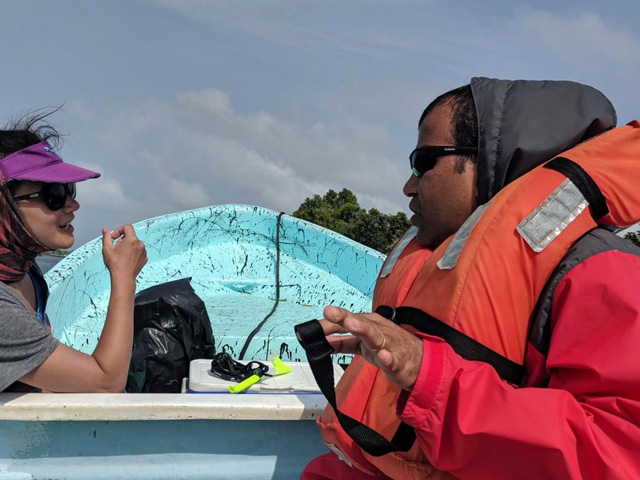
(28, 130)
(464, 124)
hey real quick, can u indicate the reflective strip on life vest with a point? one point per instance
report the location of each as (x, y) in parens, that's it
(397, 251)
(551, 217)
(453, 251)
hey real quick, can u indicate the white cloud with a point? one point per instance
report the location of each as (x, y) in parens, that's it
(79, 110)
(187, 195)
(164, 156)
(305, 25)
(580, 36)
(208, 100)
(103, 203)
(103, 193)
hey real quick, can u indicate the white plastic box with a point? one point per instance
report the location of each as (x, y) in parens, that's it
(299, 380)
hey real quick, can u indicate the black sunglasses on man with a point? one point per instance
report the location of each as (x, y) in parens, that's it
(423, 159)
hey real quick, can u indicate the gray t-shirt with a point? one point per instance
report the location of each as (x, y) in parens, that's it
(24, 342)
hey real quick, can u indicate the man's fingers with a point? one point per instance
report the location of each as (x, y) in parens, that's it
(345, 344)
(367, 327)
(385, 359)
(397, 352)
(381, 345)
(369, 332)
(331, 328)
(335, 314)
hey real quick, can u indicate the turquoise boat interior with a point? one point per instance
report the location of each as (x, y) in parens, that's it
(233, 255)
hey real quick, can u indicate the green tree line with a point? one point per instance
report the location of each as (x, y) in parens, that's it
(341, 212)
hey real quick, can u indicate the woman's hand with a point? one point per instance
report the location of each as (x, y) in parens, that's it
(391, 348)
(125, 258)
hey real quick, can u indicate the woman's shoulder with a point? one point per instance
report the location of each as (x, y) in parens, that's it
(12, 305)
(9, 297)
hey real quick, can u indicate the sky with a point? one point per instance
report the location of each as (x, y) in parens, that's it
(182, 104)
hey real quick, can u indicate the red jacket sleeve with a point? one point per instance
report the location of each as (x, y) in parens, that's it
(585, 425)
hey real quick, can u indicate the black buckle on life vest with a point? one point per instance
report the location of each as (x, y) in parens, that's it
(313, 340)
(387, 312)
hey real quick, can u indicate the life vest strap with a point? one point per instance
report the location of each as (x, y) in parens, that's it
(462, 344)
(585, 184)
(313, 340)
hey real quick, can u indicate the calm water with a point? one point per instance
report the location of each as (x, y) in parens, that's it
(46, 262)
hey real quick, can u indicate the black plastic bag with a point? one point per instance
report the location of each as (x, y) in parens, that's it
(171, 328)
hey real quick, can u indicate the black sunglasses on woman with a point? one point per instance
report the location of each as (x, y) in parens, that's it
(54, 195)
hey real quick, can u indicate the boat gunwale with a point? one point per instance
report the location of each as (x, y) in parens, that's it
(167, 406)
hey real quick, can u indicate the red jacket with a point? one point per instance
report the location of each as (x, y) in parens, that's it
(578, 421)
(584, 425)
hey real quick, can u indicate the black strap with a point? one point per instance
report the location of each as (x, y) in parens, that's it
(463, 345)
(276, 301)
(585, 184)
(313, 340)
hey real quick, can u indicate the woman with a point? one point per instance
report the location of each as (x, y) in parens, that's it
(37, 205)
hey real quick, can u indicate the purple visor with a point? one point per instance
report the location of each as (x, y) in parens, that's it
(41, 163)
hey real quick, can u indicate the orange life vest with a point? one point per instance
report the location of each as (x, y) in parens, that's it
(485, 280)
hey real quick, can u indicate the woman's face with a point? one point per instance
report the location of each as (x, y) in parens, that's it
(51, 227)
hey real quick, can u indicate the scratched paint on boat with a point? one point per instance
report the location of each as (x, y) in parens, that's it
(229, 252)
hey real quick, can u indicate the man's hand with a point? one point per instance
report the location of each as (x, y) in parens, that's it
(396, 351)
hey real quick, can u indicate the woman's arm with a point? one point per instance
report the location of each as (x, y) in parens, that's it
(68, 370)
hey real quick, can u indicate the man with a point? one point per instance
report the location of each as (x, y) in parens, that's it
(575, 414)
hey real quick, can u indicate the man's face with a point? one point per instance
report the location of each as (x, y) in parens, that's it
(442, 199)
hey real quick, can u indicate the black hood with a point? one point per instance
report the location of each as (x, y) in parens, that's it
(523, 123)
